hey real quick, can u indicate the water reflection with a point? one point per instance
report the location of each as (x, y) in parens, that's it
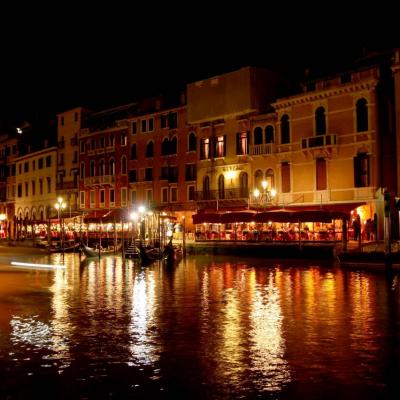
(215, 328)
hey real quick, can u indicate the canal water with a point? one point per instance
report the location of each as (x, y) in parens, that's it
(209, 328)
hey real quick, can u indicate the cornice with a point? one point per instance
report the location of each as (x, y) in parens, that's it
(322, 94)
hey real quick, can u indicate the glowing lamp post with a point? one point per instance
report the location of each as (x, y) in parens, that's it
(59, 206)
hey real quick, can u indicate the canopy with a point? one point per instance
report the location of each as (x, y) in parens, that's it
(290, 214)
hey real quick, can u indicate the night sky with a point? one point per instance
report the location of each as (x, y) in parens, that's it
(99, 65)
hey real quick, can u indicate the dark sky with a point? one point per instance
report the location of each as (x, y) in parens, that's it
(49, 68)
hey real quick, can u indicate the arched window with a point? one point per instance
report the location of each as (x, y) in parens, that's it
(285, 129)
(111, 141)
(258, 178)
(244, 184)
(133, 152)
(362, 115)
(102, 168)
(192, 142)
(82, 170)
(206, 187)
(150, 149)
(92, 168)
(221, 187)
(111, 168)
(173, 145)
(124, 165)
(269, 134)
(320, 121)
(165, 147)
(270, 178)
(258, 136)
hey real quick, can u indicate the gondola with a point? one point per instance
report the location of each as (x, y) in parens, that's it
(90, 252)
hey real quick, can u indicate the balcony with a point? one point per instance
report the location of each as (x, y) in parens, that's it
(66, 186)
(100, 180)
(235, 197)
(261, 149)
(318, 141)
(322, 145)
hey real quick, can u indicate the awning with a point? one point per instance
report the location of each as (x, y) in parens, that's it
(311, 213)
(105, 216)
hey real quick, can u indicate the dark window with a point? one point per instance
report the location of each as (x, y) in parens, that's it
(192, 142)
(132, 175)
(361, 170)
(82, 146)
(150, 149)
(285, 129)
(285, 177)
(269, 134)
(206, 187)
(26, 167)
(258, 136)
(151, 124)
(48, 161)
(173, 174)
(164, 173)
(148, 174)
(173, 145)
(321, 174)
(190, 172)
(124, 165)
(112, 196)
(144, 125)
(165, 147)
(320, 121)
(40, 163)
(102, 196)
(133, 152)
(173, 120)
(134, 128)
(82, 170)
(362, 115)
(19, 189)
(191, 192)
(164, 121)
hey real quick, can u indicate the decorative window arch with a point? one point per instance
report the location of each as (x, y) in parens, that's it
(173, 145)
(258, 178)
(111, 167)
(269, 134)
(192, 142)
(258, 136)
(165, 147)
(270, 178)
(244, 184)
(362, 115)
(102, 168)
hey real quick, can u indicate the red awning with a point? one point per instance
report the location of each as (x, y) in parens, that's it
(105, 216)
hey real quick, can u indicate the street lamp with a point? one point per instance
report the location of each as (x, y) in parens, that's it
(265, 196)
(59, 206)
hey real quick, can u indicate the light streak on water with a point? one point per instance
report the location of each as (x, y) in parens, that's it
(18, 264)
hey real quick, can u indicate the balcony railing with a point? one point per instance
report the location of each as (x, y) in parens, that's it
(318, 141)
(100, 180)
(227, 194)
(261, 149)
(66, 185)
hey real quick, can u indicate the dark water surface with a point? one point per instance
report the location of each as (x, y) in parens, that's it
(213, 328)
